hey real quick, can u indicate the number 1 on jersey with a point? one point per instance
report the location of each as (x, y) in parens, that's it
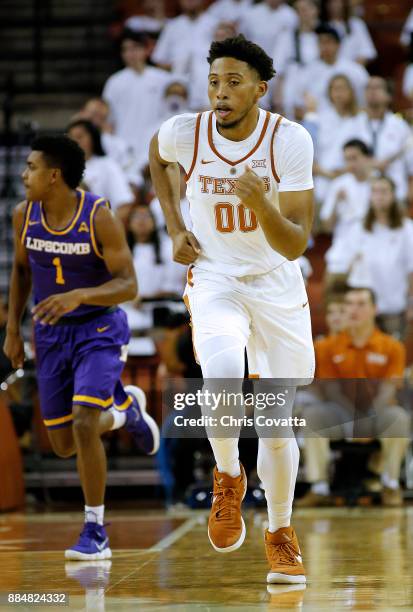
(59, 271)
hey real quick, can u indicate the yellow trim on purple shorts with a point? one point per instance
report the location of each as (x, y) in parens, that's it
(58, 421)
(125, 404)
(96, 401)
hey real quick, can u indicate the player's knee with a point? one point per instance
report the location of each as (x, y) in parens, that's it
(84, 425)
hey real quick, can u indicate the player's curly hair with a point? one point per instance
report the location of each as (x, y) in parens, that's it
(244, 50)
(64, 153)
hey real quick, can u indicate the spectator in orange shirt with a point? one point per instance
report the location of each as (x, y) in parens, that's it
(360, 352)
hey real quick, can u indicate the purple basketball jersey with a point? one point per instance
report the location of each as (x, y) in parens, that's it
(65, 259)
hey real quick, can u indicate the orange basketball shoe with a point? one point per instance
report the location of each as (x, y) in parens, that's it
(284, 557)
(226, 527)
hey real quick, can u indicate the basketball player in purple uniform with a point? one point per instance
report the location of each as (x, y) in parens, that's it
(73, 250)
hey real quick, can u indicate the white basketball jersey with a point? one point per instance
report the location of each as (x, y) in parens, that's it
(232, 242)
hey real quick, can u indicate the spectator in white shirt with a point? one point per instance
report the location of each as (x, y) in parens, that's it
(356, 42)
(386, 133)
(157, 212)
(229, 10)
(316, 76)
(348, 196)
(299, 44)
(182, 35)
(340, 119)
(135, 94)
(294, 49)
(97, 111)
(382, 257)
(103, 176)
(199, 68)
(263, 23)
(175, 100)
(158, 275)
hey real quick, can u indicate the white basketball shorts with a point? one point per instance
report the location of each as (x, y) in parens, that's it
(267, 313)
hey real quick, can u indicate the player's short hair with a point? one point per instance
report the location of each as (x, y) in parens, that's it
(325, 28)
(94, 133)
(360, 145)
(246, 51)
(64, 153)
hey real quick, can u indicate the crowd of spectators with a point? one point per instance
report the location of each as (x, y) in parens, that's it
(322, 52)
(363, 166)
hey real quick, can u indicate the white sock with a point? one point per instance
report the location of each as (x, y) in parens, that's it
(321, 488)
(94, 514)
(277, 468)
(119, 418)
(226, 455)
(390, 483)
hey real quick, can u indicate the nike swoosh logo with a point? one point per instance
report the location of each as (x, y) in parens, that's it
(204, 161)
(102, 545)
(102, 329)
(34, 222)
(304, 305)
(299, 558)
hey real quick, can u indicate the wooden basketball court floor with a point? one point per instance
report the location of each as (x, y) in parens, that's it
(357, 559)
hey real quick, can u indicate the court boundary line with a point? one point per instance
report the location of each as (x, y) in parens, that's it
(174, 536)
(163, 544)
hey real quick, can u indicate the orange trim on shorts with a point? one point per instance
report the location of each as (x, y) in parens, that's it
(255, 376)
(26, 221)
(228, 161)
(92, 227)
(59, 421)
(196, 144)
(186, 301)
(277, 125)
(190, 276)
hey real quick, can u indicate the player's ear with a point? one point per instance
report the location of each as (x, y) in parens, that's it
(262, 88)
(56, 174)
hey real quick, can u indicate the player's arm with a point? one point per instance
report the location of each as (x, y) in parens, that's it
(20, 287)
(165, 178)
(122, 287)
(287, 230)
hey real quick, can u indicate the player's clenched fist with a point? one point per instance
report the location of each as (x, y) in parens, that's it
(250, 190)
(185, 247)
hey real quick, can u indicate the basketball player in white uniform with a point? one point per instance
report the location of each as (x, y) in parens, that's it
(250, 188)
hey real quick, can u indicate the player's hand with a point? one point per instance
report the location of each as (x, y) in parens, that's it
(14, 349)
(185, 247)
(341, 196)
(250, 190)
(49, 311)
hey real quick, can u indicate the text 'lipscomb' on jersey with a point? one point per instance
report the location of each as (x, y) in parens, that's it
(52, 246)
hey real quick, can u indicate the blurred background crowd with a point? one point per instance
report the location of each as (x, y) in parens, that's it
(108, 73)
